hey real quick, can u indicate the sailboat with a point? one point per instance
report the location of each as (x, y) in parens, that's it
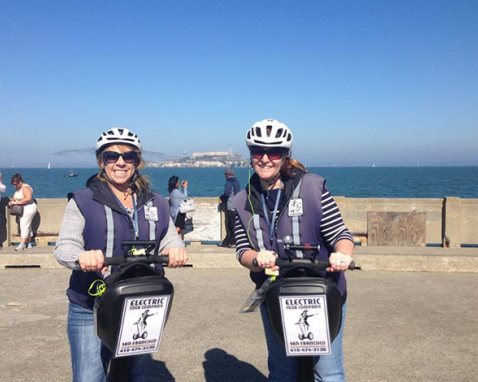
(49, 166)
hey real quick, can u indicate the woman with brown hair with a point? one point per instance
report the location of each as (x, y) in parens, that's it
(283, 199)
(23, 196)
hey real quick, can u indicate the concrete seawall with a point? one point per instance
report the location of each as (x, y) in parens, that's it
(451, 221)
(452, 218)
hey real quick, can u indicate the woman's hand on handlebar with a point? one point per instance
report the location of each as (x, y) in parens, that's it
(266, 259)
(92, 261)
(177, 256)
(339, 262)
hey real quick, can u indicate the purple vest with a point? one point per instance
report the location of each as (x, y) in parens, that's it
(304, 229)
(105, 228)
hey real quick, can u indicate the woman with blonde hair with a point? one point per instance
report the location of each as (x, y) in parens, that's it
(116, 205)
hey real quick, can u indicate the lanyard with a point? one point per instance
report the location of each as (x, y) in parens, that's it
(135, 217)
(271, 224)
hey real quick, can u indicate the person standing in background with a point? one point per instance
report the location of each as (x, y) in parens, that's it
(231, 188)
(176, 196)
(3, 219)
(3, 188)
(23, 196)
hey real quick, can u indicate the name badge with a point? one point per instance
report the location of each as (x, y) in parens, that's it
(151, 213)
(295, 207)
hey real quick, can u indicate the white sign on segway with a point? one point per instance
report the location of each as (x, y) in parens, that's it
(305, 325)
(142, 325)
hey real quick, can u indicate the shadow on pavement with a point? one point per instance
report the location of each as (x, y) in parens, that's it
(157, 371)
(221, 366)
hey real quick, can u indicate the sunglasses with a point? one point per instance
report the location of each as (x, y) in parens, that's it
(113, 156)
(273, 154)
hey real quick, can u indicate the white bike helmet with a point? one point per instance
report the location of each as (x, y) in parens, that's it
(117, 135)
(269, 133)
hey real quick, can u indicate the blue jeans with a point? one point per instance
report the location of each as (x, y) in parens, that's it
(89, 358)
(328, 368)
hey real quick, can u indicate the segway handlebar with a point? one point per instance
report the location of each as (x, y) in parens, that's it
(319, 264)
(144, 257)
(141, 243)
(147, 259)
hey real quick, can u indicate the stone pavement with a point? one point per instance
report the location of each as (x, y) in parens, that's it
(401, 327)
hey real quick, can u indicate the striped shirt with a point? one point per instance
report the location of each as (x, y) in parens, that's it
(332, 227)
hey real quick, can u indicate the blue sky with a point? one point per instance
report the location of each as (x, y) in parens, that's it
(358, 82)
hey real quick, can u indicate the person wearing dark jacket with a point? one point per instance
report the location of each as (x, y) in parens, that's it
(283, 199)
(115, 205)
(231, 188)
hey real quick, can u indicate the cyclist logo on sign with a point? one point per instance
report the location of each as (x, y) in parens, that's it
(141, 325)
(304, 326)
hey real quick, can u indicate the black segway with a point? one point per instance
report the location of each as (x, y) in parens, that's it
(304, 308)
(131, 312)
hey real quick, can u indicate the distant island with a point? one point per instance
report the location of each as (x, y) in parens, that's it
(202, 160)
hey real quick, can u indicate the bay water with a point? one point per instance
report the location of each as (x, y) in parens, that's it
(396, 182)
